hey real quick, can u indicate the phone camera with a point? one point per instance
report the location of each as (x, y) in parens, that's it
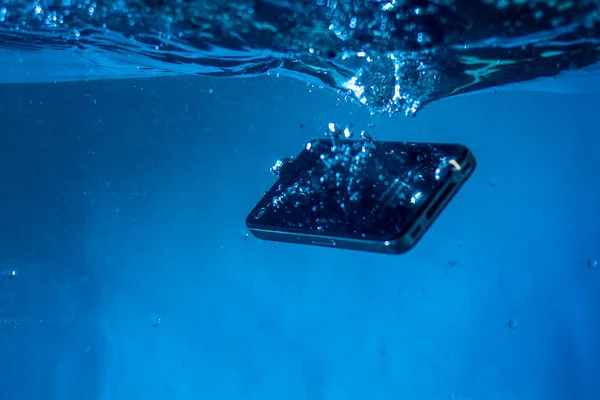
(260, 213)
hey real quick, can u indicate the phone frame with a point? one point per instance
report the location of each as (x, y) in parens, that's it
(403, 242)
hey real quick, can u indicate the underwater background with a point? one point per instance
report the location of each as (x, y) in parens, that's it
(126, 271)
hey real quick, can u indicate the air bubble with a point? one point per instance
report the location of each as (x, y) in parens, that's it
(280, 165)
(155, 320)
(245, 234)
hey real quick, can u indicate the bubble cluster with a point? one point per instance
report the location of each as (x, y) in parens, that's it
(346, 182)
(394, 83)
(341, 171)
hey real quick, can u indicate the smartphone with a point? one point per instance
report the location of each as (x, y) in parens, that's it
(365, 195)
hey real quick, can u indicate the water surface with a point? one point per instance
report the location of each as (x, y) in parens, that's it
(390, 56)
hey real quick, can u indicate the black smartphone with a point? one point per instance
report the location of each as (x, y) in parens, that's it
(360, 194)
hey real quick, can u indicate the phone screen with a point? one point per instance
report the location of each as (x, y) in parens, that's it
(356, 189)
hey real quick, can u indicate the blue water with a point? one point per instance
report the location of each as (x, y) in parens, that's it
(123, 204)
(125, 268)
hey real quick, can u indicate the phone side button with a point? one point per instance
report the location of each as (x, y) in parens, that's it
(323, 242)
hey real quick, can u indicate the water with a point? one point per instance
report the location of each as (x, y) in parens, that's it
(126, 206)
(392, 57)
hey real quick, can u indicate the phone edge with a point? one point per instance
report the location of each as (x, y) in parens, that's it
(396, 246)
